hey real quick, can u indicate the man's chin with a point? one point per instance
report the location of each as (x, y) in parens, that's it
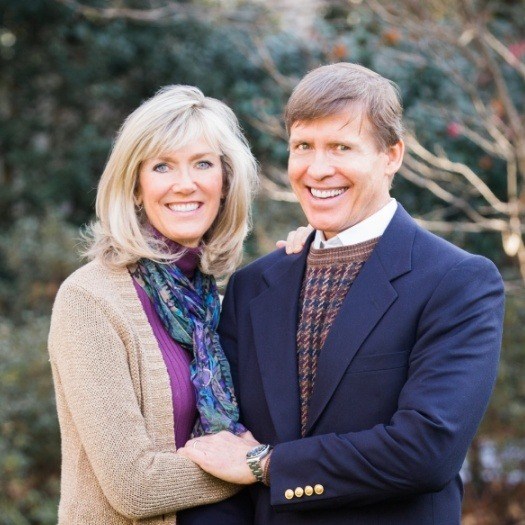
(323, 226)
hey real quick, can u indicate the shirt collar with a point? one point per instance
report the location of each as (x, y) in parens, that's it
(372, 227)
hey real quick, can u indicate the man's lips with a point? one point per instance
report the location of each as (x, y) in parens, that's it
(326, 193)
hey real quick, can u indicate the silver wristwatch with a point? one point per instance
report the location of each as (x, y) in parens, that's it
(253, 458)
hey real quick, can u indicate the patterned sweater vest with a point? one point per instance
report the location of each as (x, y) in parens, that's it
(329, 274)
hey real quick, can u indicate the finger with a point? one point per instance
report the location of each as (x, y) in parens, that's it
(194, 454)
(289, 242)
(191, 443)
(280, 244)
(207, 438)
(196, 444)
(248, 438)
(188, 453)
(299, 239)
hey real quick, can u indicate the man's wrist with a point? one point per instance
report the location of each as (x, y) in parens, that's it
(255, 457)
(265, 464)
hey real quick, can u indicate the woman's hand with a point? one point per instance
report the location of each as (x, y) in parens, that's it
(295, 241)
(222, 455)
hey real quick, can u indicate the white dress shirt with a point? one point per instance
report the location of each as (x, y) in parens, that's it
(372, 227)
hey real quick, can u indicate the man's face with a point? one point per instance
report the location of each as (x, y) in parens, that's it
(337, 171)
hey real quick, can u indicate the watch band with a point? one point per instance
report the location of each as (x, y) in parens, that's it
(253, 458)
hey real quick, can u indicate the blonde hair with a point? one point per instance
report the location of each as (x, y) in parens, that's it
(328, 90)
(173, 118)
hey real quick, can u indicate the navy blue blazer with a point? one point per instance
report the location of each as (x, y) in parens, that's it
(402, 383)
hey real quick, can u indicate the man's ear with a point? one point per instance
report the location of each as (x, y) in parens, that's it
(395, 157)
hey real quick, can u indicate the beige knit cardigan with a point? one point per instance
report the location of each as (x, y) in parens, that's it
(119, 465)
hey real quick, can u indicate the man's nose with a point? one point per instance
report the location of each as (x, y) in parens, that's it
(320, 166)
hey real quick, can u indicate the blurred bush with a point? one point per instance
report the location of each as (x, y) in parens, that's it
(66, 84)
(29, 437)
(37, 255)
(505, 418)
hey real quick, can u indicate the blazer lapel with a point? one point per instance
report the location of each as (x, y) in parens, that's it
(368, 299)
(274, 316)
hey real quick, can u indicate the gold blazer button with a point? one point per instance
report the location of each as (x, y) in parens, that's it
(288, 494)
(319, 489)
(299, 492)
(308, 490)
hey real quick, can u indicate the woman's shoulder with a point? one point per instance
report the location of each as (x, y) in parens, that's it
(97, 294)
(96, 279)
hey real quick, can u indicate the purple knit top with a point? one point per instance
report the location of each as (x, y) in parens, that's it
(177, 359)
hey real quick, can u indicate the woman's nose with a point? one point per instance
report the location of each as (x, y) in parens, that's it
(184, 182)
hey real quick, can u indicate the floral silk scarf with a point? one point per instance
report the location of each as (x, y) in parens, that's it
(190, 312)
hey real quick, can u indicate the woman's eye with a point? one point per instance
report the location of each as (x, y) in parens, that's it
(204, 165)
(161, 168)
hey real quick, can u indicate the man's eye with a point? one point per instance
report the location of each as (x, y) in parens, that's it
(161, 168)
(303, 146)
(204, 165)
(342, 147)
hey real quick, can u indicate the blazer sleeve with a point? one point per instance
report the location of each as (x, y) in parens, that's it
(90, 363)
(452, 370)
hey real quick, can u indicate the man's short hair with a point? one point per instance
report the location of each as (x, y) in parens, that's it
(328, 90)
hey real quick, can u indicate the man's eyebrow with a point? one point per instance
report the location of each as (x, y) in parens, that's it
(347, 142)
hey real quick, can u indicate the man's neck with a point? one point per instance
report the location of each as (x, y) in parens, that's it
(369, 228)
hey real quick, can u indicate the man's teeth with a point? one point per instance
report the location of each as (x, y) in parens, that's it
(325, 194)
(183, 207)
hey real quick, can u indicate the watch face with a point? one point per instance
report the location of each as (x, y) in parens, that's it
(256, 451)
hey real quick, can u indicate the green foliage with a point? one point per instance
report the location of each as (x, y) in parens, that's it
(36, 255)
(66, 84)
(29, 437)
(505, 418)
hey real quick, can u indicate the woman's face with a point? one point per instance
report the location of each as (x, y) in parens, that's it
(181, 192)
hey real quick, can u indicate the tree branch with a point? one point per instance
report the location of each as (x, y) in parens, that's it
(456, 167)
(111, 13)
(504, 53)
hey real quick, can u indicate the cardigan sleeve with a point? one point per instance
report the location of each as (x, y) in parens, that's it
(90, 362)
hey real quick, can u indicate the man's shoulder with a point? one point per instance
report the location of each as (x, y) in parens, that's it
(441, 250)
(426, 241)
(431, 256)
(259, 266)
(440, 257)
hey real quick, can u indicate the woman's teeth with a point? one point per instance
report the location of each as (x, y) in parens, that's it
(326, 194)
(183, 207)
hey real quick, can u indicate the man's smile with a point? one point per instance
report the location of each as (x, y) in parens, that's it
(327, 193)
